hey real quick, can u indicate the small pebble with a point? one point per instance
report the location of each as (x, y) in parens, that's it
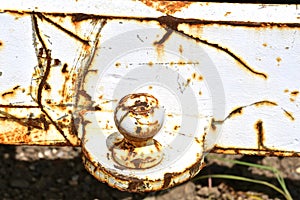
(6, 156)
(19, 183)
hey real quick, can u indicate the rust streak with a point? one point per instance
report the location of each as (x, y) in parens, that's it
(239, 110)
(269, 152)
(27, 122)
(264, 103)
(85, 16)
(289, 115)
(173, 22)
(236, 111)
(260, 134)
(17, 106)
(45, 77)
(7, 93)
(41, 16)
(164, 38)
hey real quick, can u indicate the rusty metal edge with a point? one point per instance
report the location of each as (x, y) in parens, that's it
(133, 184)
(257, 152)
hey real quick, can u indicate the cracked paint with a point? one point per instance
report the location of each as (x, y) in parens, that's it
(66, 44)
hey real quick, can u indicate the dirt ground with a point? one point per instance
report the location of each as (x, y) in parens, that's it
(58, 173)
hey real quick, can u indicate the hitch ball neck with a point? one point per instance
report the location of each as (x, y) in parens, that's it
(138, 117)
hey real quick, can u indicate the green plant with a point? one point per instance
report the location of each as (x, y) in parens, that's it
(283, 190)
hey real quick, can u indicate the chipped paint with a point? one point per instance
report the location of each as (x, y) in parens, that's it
(65, 91)
(168, 7)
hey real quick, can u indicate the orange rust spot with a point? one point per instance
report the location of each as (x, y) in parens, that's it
(200, 93)
(200, 78)
(176, 127)
(150, 87)
(227, 13)
(160, 50)
(180, 62)
(194, 75)
(169, 7)
(289, 115)
(1, 44)
(265, 103)
(150, 64)
(286, 91)
(265, 44)
(180, 49)
(118, 64)
(294, 93)
(237, 111)
(278, 59)
(197, 140)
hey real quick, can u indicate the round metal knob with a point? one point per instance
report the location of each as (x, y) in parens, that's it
(139, 118)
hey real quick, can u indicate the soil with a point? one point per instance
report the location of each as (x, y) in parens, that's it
(30, 172)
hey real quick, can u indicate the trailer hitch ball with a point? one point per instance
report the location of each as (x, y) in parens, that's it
(138, 118)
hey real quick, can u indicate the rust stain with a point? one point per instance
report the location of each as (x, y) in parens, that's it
(160, 50)
(260, 134)
(262, 152)
(293, 95)
(180, 49)
(29, 123)
(265, 44)
(176, 127)
(235, 112)
(197, 140)
(56, 62)
(173, 23)
(71, 34)
(194, 75)
(265, 103)
(278, 59)
(289, 115)
(150, 64)
(11, 93)
(226, 14)
(118, 65)
(64, 68)
(239, 110)
(79, 17)
(168, 7)
(159, 45)
(213, 124)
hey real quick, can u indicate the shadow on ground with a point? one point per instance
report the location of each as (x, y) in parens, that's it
(67, 179)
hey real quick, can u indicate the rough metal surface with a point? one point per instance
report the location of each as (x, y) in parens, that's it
(235, 70)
